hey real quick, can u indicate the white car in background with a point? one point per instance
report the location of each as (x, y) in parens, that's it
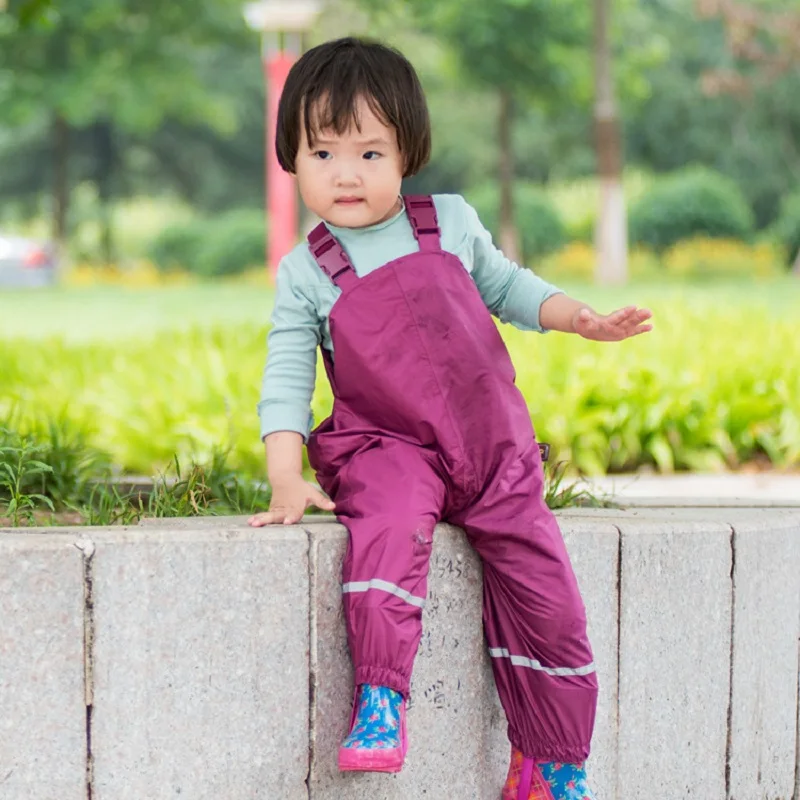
(25, 263)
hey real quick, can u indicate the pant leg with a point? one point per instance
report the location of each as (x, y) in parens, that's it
(534, 618)
(390, 498)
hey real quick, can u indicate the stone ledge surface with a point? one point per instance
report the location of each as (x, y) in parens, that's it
(454, 706)
(42, 706)
(766, 585)
(688, 577)
(200, 664)
(674, 658)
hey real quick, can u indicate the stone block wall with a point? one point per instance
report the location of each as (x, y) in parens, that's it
(200, 659)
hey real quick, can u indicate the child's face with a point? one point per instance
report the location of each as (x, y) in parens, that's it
(352, 180)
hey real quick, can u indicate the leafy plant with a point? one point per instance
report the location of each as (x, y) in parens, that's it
(106, 505)
(205, 489)
(18, 465)
(558, 493)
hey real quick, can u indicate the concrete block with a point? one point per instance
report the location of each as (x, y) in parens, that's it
(449, 713)
(593, 547)
(200, 664)
(195, 523)
(42, 703)
(722, 514)
(766, 590)
(457, 728)
(796, 795)
(675, 636)
(238, 522)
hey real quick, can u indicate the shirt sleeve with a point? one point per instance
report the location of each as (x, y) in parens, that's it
(512, 293)
(290, 370)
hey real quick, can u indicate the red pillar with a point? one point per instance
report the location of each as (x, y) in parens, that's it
(281, 191)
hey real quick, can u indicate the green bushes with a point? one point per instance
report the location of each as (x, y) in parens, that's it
(695, 394)
(540, 227)
(787, 228)
(689, 203)
(234, 242)
(178, 246)
(694, 223)
(225, 245)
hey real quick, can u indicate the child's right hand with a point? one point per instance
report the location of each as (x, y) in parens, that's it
(290, 498)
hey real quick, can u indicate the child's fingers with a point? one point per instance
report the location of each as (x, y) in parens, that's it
(266, 518)
(320, 501)
(622, 315)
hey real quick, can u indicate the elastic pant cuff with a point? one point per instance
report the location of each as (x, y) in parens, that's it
(382, 676)
(540, 750)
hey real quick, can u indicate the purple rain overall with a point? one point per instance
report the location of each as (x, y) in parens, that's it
(427, 425)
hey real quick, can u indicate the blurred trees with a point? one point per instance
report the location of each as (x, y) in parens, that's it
(162, 98)
(752, 138)
(90, 76)
(611, 234)
(529, 52)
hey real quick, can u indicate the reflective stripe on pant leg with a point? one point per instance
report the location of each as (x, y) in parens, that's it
(532, 663)
(390, 499)
(534, 617)
(383, 586)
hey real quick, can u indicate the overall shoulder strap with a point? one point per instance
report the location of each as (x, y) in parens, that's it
(424, 222)
(331, 257)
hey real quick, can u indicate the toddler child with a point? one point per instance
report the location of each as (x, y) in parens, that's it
(427, 424)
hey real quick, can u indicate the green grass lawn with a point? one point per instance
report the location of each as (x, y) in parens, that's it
(144, 374)
(111, 313)
(108, 313)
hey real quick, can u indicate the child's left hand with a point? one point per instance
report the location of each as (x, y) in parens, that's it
(614, 327)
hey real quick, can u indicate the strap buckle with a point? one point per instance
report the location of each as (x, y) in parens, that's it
(328, 254)
(422, 213)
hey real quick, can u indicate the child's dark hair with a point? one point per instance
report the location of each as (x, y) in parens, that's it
(330, 79)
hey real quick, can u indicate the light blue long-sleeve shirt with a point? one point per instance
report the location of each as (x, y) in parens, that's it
(304, 297)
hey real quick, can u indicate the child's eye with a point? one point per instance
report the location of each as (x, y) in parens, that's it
(372, 155)
(322, 155)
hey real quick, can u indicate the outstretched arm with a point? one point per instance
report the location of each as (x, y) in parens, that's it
(563, 313)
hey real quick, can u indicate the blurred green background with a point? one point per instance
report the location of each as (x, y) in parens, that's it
(132, 135)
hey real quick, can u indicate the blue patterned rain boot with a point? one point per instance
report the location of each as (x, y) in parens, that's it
(377, 740)
(566, 781)
(545, 780)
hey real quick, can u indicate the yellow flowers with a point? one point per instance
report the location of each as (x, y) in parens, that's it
(141, 275)
(699, 258)
(703, 257)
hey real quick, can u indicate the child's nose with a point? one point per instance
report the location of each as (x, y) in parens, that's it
(347, 176)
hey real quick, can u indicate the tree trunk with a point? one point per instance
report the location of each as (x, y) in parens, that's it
(60, 144)
(611, 233)
(509, 237)
(106, 160)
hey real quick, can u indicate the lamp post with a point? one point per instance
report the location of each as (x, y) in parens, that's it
(281, 24)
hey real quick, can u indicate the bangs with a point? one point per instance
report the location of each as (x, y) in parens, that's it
(326, 86)
(335, 108)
